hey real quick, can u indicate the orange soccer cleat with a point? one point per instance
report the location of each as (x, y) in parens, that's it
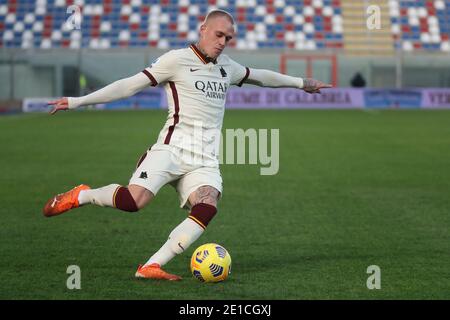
(154, 271)
(63, 201)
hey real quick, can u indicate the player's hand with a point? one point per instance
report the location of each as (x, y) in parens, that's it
(60, 104)
(314, 86)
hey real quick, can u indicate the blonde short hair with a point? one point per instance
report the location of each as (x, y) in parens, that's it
(219, 13)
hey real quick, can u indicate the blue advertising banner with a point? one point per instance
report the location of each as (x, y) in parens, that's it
(387, 98)
(153, 98)
(36, 104)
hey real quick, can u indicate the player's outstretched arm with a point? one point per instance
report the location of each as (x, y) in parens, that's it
(119, 89)
(268, 78)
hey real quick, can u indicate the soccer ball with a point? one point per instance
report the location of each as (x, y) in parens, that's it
(211, 263)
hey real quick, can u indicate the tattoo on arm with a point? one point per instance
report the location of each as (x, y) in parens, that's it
(314, 86)
(310, 84)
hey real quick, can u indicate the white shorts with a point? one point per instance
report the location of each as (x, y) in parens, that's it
(161, 165)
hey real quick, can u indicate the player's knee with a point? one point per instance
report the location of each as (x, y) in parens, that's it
(124, 200)
(203, 213)
(140, 195)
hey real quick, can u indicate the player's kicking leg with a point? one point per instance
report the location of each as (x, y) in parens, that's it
(130, 199)
(204, 207)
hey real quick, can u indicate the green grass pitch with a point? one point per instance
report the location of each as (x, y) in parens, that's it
(354, 189)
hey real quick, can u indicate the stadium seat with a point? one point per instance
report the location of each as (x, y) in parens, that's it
(421, 24)
(102, 24)
(297, 24)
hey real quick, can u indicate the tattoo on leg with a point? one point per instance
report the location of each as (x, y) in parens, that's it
(205, 194)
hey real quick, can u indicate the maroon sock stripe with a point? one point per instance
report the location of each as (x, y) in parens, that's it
(114, 196)
(151, 77)
(176, 117)
(247, 73)
(197, 222)
(123, 200)
(203, 213)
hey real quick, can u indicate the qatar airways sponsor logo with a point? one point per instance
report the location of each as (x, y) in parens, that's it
(212, 89)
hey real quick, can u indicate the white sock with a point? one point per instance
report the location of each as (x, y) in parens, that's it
(102, 196)
(179, 240)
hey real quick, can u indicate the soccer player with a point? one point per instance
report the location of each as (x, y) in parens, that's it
(196, 80)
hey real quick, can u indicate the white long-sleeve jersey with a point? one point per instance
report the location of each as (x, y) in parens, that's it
(196, 89)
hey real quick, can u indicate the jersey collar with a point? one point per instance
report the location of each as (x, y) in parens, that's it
(205, 59)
